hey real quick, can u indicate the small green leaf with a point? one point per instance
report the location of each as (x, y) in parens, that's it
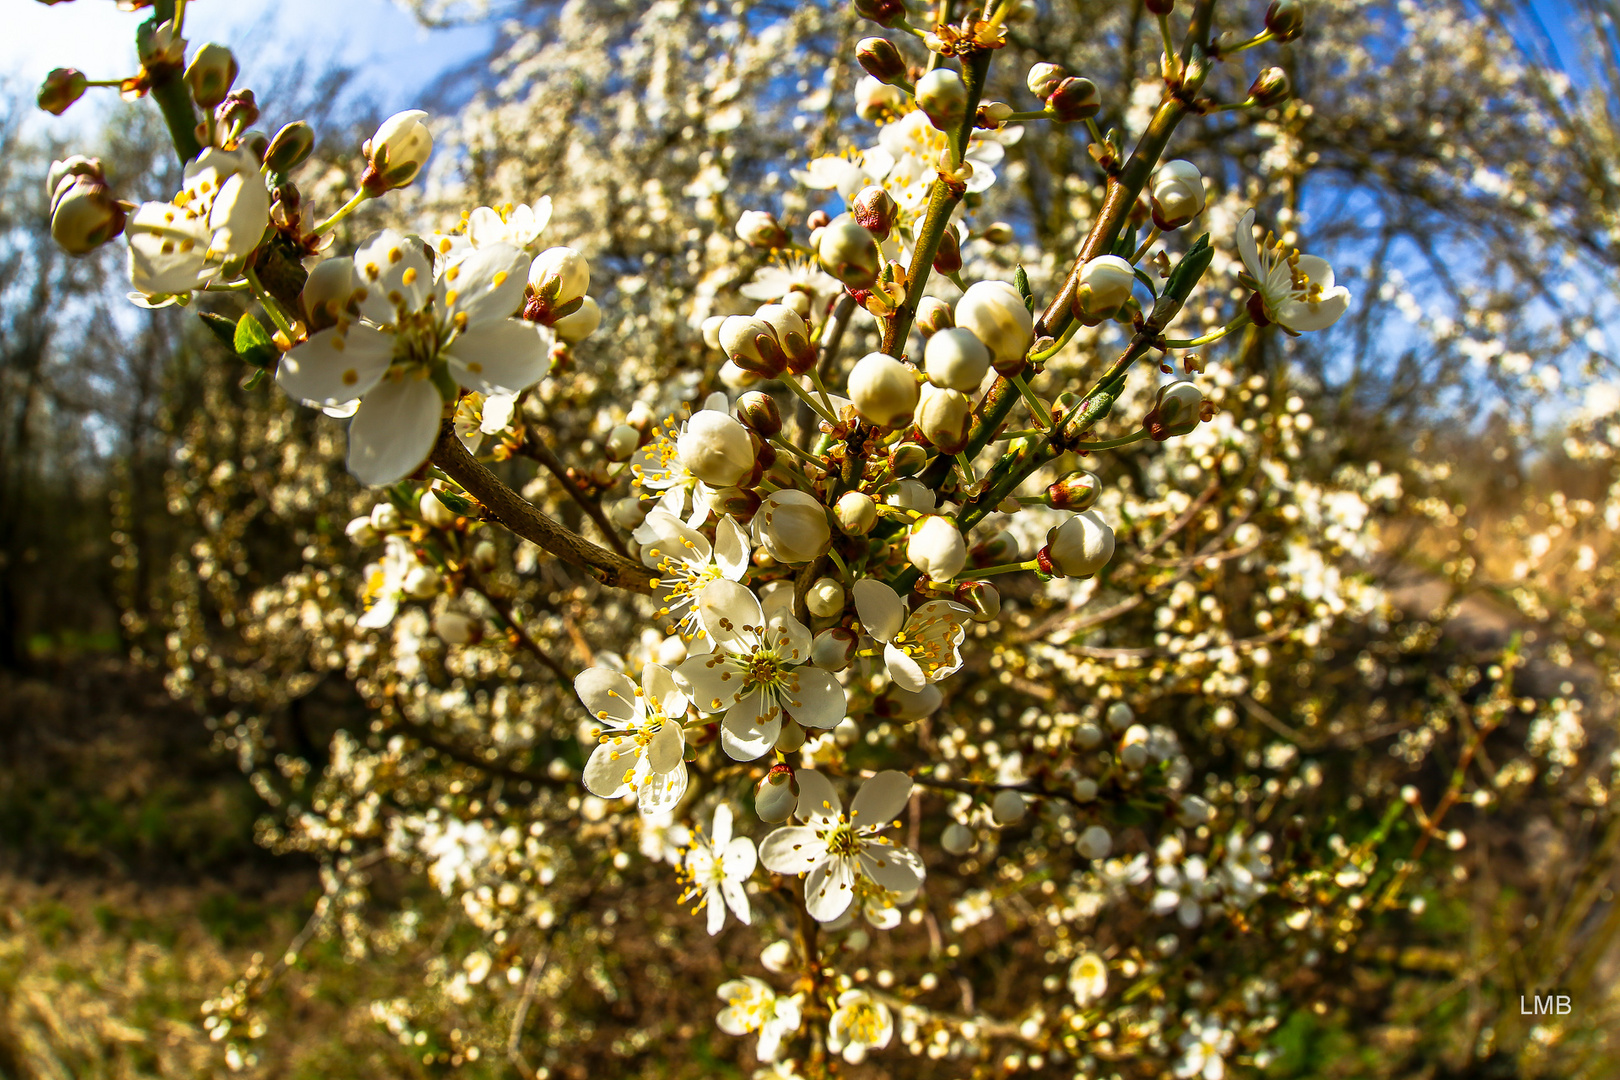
(252, 343)
(457, 504)
(254, 379)
(221, 327)
(1021, 282)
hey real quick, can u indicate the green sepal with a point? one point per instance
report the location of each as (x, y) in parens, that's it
(1021, 283)
(252, 343)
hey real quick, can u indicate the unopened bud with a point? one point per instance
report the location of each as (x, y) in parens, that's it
(1120, 716)
(1176, 410)
(908, 459)
(759, 411)
(557, 277)
(874, 100)
(454, 628)
(956, 359)
(579, 324)
(628, 513)
(957, 838)
(1000, 548)
(832, 650)
(238, 110)
(880, 59)
(792, 336)
(1008, 807)
(257, 143)
(1095, 843)
(855, 512)
(942, 96)
(213, 69)
(1177, 193)
(1078, 492)
(483, 556)
(84, 212)
(1077, 548)
(740, 504)
(1285, 19)
(760, 229)
(981, 598)
(825, 598)
(776, 795)
(622, 441)
(876, 211)
(1074, 99)
(360, 531)
(791, 737)
(1105, 284)
(290, 147)
(1085, 788)
(933, 315)
(396, 153)
(944, 417)
(848, 252)
(160, 46)
(882, 12)
(817, 219)
(1271, 87)
(1045, 78)
(751, 344)
(948, 259)
(61, 88)
(883, 390)
(434, 512)
(997, 232)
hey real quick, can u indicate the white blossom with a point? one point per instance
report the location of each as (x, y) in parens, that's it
(642, 748)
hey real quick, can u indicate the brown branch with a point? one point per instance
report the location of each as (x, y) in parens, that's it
(533, 447)
(519, 515)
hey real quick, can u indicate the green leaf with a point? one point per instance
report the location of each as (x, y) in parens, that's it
(1021, 282)
(457, 504)
(252, 343)
(221, 327)
(1146, 279)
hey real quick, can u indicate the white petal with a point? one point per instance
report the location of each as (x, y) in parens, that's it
(336, 365)
(739, 858)
(750, 727)
(895, 868)
(662, 692)
(1319, 270)
(1306, 317)
(716, 681)
(485, 284)
(726, 608)
(818, 700)
(1248, 250)
(501, 357)
(394, 430)
(829, 888)
(609, 695)
(906, 672)
(730, 548)
(720, 827)
(659, 793)
(607, 773)
(881, 799)
(792, 849)
(395, 274)
(817, 799)
(166, 249)
(736, 900)
(667, 748)
(882, 611)
(717, 911)
(674, 540)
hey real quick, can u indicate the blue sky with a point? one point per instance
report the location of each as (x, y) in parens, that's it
(398, 58)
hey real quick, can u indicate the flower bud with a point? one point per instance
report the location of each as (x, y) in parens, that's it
(909, 459)
(776, 795)
(213, 69)
(238, 110)
(937, 549)
(759, 411)
(740, 504)
(736, 378)
(856, 513)
(290, 147)
(791, 526)
(1077, 492)
(791, 334)
(874, 99)
(160, 46)
(799, 301)
(557, 277)
(361, 531)
(848, 252)
(1095, 843)
(1133, 751)
(994, 312)
(622, 442)
(880, 59)
(956, 359)
(1089, 736)
(715, 448)
(578, 324)
(385, 517)
(1000, 548)
(981, 598)
(1085, 790)
(1176, 410)
(483, 556)
(760, 229)
(1193, 811)
(257, 143)
(1271, 87)
(1007, 807)
(876, 211)
(61, 88)
(1105, 284)
(454, 628)
(1285, 19)
(948, 256)
(957, 838)
(825, 598)
(1045, 78)
(944, 417)
(832, 650)
(328, 293)
(84, 212)
(1079, 547)
(396, 154)
(882, 12)
(421, 581)
(1178, 194)
(790, 738)
(933, 315)
(883, 389)
(1074, 99)
(1120, 716)
(997, 232)
(942, 96)
(751, 344)
(711, 330)
(628, 513)
(434, 512)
